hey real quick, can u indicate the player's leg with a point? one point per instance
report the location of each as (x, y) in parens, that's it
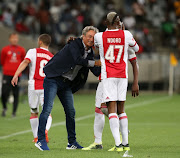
(16, 99)
(110, 97)
(114, 125)
(34, 121)
(6, 88)
(123, 120)
(34, 106)
(49, 121)
(50, 90)
(99, 121)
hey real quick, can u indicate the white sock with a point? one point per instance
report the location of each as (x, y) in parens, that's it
(49, 122)
(99, 122)
(123, 121)
(34, 121)
(114, 125)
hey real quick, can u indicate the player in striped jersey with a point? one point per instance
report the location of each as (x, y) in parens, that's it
(113, 47)
(36, 59)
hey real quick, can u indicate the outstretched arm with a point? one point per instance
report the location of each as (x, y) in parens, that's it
(135, 86)
(20, 69)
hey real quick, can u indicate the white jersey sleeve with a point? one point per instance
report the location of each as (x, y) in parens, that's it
(31, 54)
(131, 41)
(131, 54)
(96, 40)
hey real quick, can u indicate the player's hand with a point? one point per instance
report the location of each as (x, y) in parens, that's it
(14, 81)
(71, 39)
(135, 90)
(97, 63)
(123, 27)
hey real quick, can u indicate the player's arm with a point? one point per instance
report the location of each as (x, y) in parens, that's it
(135, 67)
(135, 86)
(132, 43)
(20, 69)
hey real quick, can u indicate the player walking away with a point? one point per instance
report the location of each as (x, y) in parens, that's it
(11, 56)
(101, 108)
(36, 59)
(113, 45)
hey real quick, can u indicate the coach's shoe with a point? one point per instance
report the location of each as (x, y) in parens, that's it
(42, 145)
(46, 134)
(74, 145)
(126, 147)
(93, 146)
(35, 140)
(117, 148)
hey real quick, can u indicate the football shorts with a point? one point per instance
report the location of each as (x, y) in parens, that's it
(99, 95)
(36, 98)
(114, 89)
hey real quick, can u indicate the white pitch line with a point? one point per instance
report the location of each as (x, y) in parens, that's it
(92, 115)
(53, 125)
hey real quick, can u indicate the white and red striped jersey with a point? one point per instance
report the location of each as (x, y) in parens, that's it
(113, 48)
(38, 58)
(131, 57)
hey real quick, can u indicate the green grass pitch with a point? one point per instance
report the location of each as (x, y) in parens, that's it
(154, 124)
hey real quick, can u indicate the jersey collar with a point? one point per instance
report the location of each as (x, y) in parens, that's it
(44, 48)
(112, 30)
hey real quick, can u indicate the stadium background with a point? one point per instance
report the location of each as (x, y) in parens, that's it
(154, 24)
(156, 27)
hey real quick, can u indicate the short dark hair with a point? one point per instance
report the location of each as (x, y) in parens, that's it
(45, 38)
(13, 33)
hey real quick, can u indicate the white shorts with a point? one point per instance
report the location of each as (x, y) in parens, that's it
(114, 89)
(36, 98)
(99, 95)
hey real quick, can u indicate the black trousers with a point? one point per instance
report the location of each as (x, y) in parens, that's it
(6, 89)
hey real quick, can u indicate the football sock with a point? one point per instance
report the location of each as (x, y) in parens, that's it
(34, 125)
(123, 121)
(99, 122)
(49, 122)
(114, 126)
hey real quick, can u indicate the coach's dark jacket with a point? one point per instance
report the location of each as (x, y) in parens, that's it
(66, 59)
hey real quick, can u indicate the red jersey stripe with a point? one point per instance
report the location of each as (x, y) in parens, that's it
(112, 39)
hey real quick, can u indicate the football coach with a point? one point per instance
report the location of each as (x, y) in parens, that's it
(65, 74)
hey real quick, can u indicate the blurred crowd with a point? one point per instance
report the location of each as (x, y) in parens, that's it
(64, 18)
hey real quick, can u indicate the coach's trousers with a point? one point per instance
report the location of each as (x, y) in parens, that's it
(53, 86)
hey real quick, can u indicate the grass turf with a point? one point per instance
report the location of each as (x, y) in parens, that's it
(154, 124)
